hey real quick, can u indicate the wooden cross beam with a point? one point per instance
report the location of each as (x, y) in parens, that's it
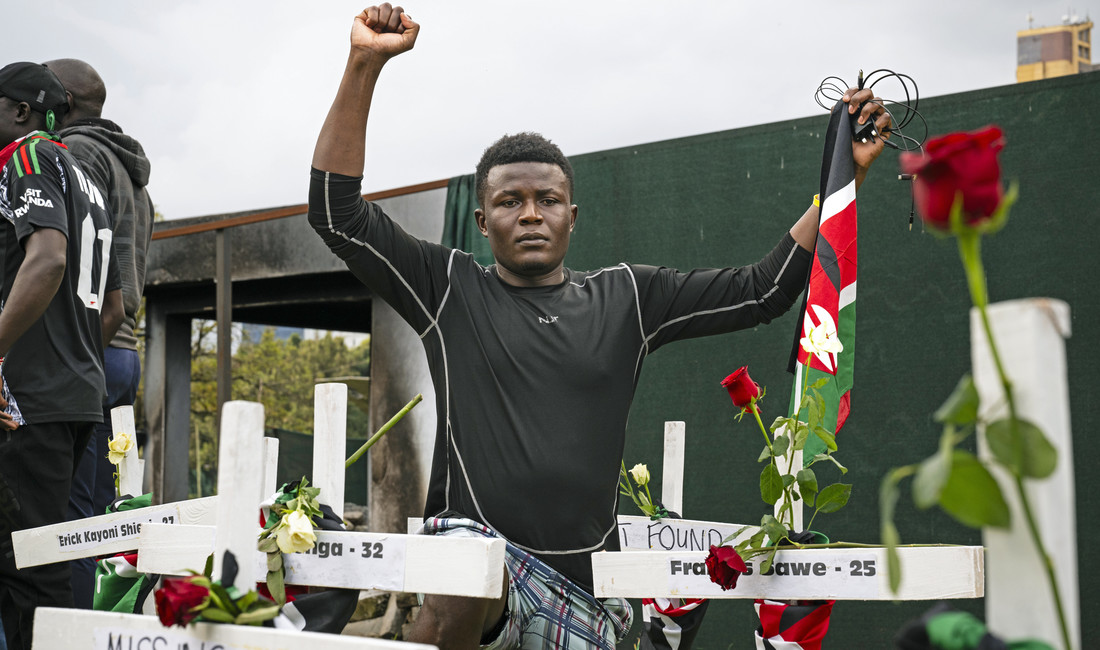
(349, 560)
(665, 559)
(118, 531)
(242, 431)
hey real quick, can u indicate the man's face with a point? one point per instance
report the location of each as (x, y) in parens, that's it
(527, 217)
(10, 127)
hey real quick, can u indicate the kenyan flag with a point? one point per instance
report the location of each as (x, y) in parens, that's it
(830, 297)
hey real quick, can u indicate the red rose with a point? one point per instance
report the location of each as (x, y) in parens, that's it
(957, 163)
(724, 566)
(741, 387)
(176, 600)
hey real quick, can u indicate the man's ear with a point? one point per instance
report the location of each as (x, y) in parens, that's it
(479, 216)
(572, 217)
(23, 113)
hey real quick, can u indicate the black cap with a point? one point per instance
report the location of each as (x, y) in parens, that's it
(35, 84)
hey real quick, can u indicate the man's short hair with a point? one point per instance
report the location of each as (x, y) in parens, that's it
(519, 148)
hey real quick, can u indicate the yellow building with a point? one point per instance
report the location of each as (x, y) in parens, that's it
(1046, 52)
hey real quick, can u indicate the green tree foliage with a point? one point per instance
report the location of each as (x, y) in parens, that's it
(280, 374)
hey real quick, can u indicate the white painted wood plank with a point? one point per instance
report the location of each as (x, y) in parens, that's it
(475, 567)
(174, 550)
(840, 574)
(638, 533)
(65, 629)
(242, 432)
(104, 534)
(672, 476)
(130, 469)
(1030, 337)
(271, 466)
(793, 469)
(330, 433)
(412, 563)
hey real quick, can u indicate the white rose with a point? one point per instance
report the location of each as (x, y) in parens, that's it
(294, 533)
(641, 474)
(822, 340)
(118, 445)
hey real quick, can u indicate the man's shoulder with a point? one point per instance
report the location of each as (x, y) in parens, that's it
(621, 272)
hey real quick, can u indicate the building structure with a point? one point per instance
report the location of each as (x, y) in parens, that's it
(1045, 52)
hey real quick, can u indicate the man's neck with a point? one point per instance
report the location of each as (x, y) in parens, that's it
(553, 278)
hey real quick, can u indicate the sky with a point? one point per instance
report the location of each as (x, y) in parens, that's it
(227, 96)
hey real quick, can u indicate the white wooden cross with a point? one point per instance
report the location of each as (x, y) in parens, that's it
(349, 560)
(677, 569)
(1030, 336)
(240, 485)
(118, 531)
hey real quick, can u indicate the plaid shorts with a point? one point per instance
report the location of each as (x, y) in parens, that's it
(545, 610)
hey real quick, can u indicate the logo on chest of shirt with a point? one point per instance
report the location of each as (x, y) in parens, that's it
(548, 320)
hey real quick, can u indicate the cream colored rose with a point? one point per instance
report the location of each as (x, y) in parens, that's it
(294, 533)
(118, 445)
(640, 473)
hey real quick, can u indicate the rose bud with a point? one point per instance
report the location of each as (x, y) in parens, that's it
(742, 389)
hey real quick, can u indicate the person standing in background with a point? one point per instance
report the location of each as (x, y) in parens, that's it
(117, 164)
(61, 301)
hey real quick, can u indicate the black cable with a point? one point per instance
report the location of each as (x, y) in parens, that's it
(832, 89)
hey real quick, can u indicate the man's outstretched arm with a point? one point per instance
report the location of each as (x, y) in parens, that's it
(377, 34)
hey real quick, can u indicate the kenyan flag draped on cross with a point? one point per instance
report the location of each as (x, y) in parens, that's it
(830, 297)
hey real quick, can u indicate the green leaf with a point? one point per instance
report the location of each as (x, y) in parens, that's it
(208, 568)
(247, 600)
(267, 544)
(961, 407)
(778, 422)
(820, 383)
(780, 445)
(277, 587)
(783, 510)
(1029, 454)
(891, 539)
(807, 484)
(820, 401)
(931, 477)
(772, 528)
(788, 480)
(771, 485)
(802, 433)
(814, 412)
(834, 497)
(826, 436)
(888, 493)
(766, 563)
(224, 601)
(275, 561)
(971, 494)
(828, 457)
(765, 454)
(215, 615)
(258, 615)
(733, 536)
